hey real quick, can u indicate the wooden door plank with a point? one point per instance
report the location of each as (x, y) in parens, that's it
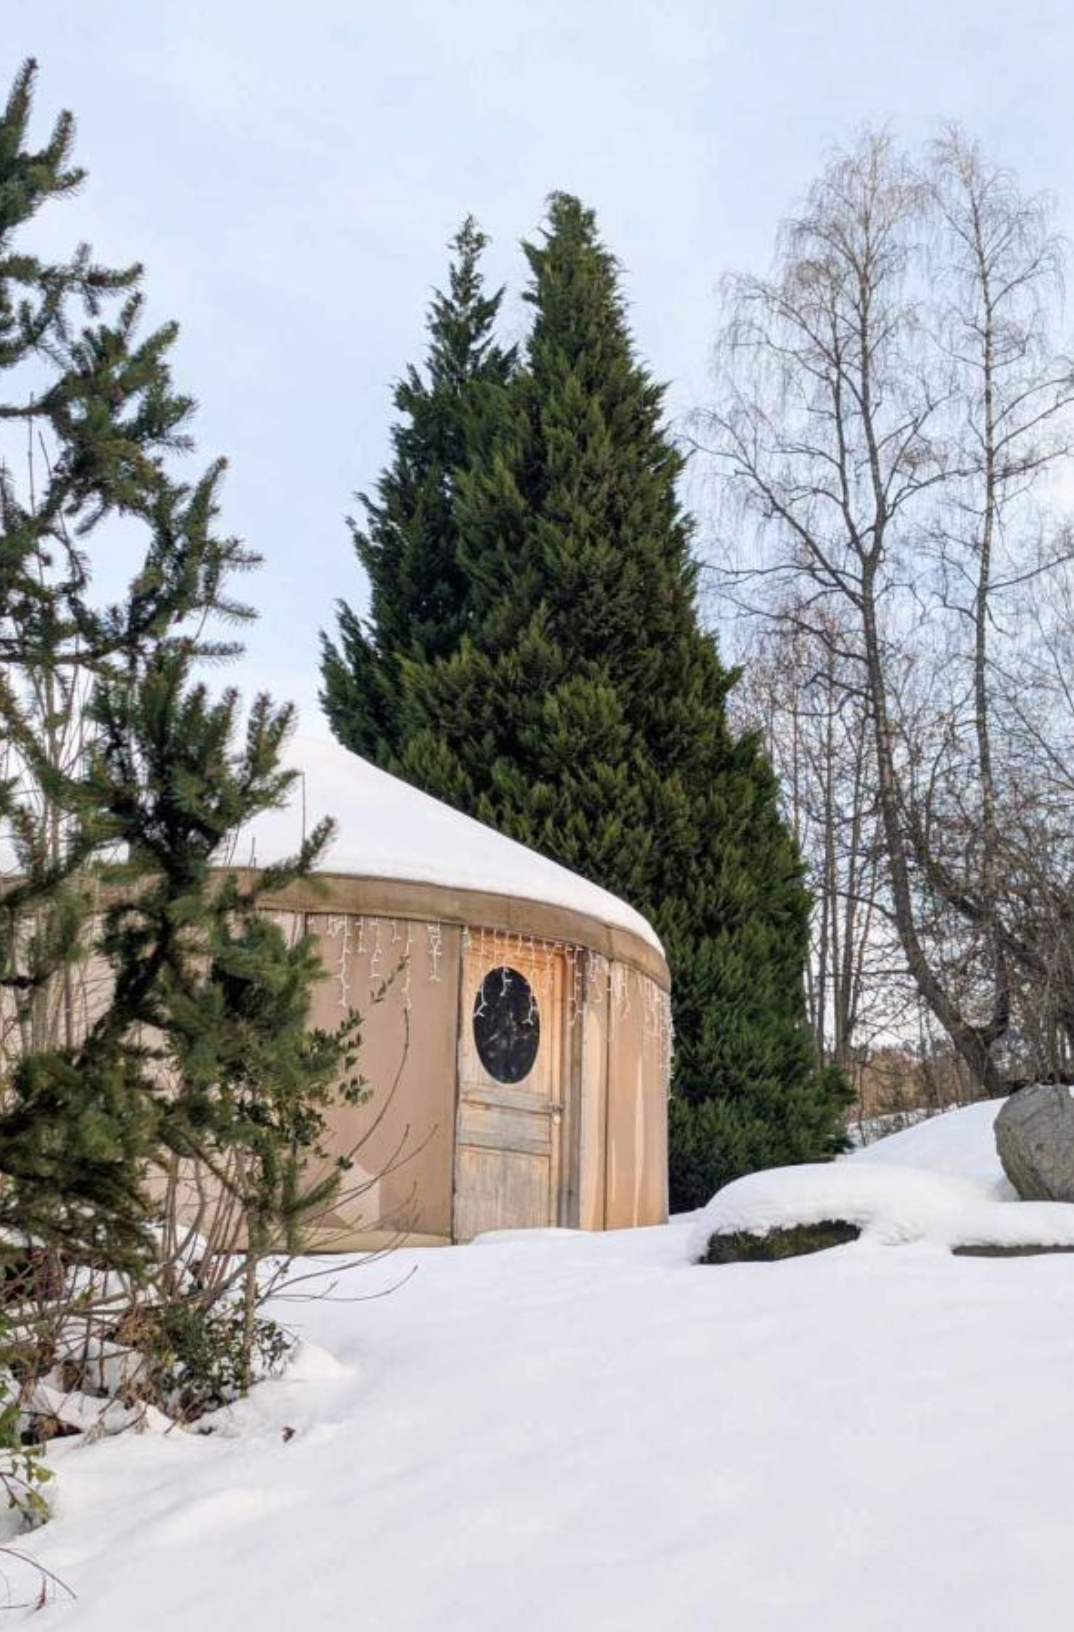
(500, 1190)
(507, 1151)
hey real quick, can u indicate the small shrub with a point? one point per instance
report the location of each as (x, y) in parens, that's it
(196, 1360)
(23, 1471)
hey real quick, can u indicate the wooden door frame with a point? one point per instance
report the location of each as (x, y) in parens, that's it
(570, 1151)
(566, 1163)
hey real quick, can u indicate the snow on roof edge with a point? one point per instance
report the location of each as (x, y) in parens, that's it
(388, 829)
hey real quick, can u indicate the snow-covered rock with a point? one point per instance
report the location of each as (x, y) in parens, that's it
(889, 1204)
(939, 1181)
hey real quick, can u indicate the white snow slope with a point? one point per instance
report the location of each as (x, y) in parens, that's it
(387, 829)
(566, 1432)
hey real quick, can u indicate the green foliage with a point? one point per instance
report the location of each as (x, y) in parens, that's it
(93, 401)
(23, 1471)
(129, 783)
(407, 544)
(576, 704)
(232, 1076)
(238, 1079)
(781, 1120)
(198, 1359)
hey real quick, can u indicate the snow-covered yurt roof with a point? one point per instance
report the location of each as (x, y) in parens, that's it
(387, 829)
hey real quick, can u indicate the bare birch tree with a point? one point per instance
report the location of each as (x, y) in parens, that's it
(889, 408)
(795, 692)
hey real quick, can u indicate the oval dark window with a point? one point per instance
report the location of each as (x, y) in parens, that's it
(507, 1025)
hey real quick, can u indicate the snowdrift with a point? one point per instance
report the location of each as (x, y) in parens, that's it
(587, 1432)
(939, 1181)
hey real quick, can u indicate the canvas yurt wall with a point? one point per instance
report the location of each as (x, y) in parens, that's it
(516, 1019)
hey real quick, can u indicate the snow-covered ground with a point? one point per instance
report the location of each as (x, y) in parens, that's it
(564, 1431)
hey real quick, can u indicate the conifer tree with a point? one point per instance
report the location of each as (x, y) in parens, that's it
(582, 710)
(408, 544)
(121, 781)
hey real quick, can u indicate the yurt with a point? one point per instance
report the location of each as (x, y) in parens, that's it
(516, 1031)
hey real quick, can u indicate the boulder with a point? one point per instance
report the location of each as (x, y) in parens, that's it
(783, 1241)
(1023, 1251)
(1035, 1140)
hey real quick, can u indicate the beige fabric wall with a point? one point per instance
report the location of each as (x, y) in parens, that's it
(591, 1090)
(620, 1083)
(402, 1140)
(403, 978)
(636, 1151)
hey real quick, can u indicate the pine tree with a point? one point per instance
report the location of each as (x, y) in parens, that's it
(120, 783)
(582, 710)
(408, 544)
(91, 401)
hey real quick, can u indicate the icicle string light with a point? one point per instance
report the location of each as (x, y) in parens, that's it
(408, 965)
(342, 926)
(436, 948)
(367, 950)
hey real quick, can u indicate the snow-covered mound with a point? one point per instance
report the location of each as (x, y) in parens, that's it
(891, 1204)
(939, 1181)
(387, 829)
(960, 1141)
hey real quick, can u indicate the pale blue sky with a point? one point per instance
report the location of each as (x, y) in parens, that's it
(290, 174)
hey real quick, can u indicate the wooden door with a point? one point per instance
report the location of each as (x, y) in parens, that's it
(511, 1046)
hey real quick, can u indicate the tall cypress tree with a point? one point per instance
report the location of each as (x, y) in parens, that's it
(408, 543)
(582, 709)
